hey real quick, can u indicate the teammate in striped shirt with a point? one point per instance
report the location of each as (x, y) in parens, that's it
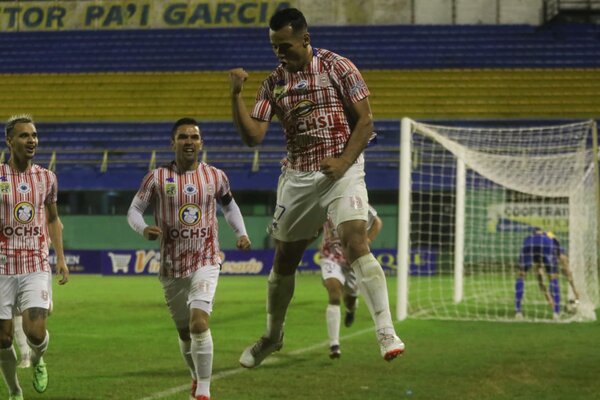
(340, 280)
(322, 102)
(185, 194)
(28, 215)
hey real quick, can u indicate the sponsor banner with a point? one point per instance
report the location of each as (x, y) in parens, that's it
(522, 217)
(236, 262)
(134, 14)
(80, 261)
(256, 262)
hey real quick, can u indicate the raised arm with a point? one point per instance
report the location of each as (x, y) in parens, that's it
(252, 131)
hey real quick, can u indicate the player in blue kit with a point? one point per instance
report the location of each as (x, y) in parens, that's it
(542, 251)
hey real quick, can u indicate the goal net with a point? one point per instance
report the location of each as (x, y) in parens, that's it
(468, 199)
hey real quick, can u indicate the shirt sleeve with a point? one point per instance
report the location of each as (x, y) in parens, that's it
(146, 190)
(350, 82)
(263, 109)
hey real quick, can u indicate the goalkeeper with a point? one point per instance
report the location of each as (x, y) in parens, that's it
(542, 250)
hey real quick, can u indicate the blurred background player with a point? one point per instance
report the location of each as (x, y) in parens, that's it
(29, 195)
(322, 102)
(542, 251)
(185, 193)
(340, 280)
(563, 261)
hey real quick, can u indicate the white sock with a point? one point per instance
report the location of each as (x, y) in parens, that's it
(37, 351)
(371, 281)
(20, 338)
(8, 367)
(185, 348)
(333, 316)
(202, 354)
(280, 293)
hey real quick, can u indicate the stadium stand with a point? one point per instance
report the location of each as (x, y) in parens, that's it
(104, 100)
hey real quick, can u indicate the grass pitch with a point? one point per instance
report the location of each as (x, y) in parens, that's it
(112, 338)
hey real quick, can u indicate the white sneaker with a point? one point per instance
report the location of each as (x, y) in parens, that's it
(519, 316)
(255, 354)
(390, 345)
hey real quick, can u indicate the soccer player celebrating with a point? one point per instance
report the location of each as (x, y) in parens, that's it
(322, 102)
(541, 250)
(340, 280)
(28, 207)
(185, 194)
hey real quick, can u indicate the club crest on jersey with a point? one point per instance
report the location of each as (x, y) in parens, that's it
(303, 108)
(189, 214)
(24, 212)
(302, 85)
(23, 187)
(190, 189)
(170, 187)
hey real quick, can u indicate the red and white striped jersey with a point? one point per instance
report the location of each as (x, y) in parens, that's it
(312, 106)
(24, 229)
(185, 209)
(331, 246)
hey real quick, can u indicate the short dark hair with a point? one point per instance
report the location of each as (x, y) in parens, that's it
(288, 16)
(14, 120)
(182, 121)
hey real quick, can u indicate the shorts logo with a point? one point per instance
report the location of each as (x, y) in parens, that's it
(189, 214)
(24, 212)
(190, 189)
(170, 187)
(45, 295)
(303, 108)
(23, 187)
(356, 203)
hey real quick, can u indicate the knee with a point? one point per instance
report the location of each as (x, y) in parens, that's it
(6, 341)
(334, 290)
(36, 337)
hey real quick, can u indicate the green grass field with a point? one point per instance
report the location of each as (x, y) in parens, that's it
(112, 338)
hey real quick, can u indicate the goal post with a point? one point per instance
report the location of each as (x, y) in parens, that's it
(469, 195)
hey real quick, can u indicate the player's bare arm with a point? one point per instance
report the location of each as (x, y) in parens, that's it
(55, 229)
(335, 168)
(252, 131)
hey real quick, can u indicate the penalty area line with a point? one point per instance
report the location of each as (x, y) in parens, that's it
(235, 371)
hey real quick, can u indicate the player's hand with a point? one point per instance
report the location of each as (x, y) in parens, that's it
(63, 271)
(334, 168)
(243, 243)
(237, 77)
(152, 232)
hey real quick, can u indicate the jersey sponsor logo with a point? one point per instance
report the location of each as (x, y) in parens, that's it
(323, 80)
(189, 214)
(302, 85)
(24, 212)
(23, 187)
(279, 90)
(303, 108)
(357, 87)
(40, 187)
(4, 186)
(22, 231)
(309, 124)
(190, 233)
(190, 189)
(170, 187)
(210, 189)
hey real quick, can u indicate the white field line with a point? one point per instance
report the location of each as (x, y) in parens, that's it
(271, 360)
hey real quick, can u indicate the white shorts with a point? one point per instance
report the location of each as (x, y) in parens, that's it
(304, 199)
(199, 286)
(21, 292)
(332, 270)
